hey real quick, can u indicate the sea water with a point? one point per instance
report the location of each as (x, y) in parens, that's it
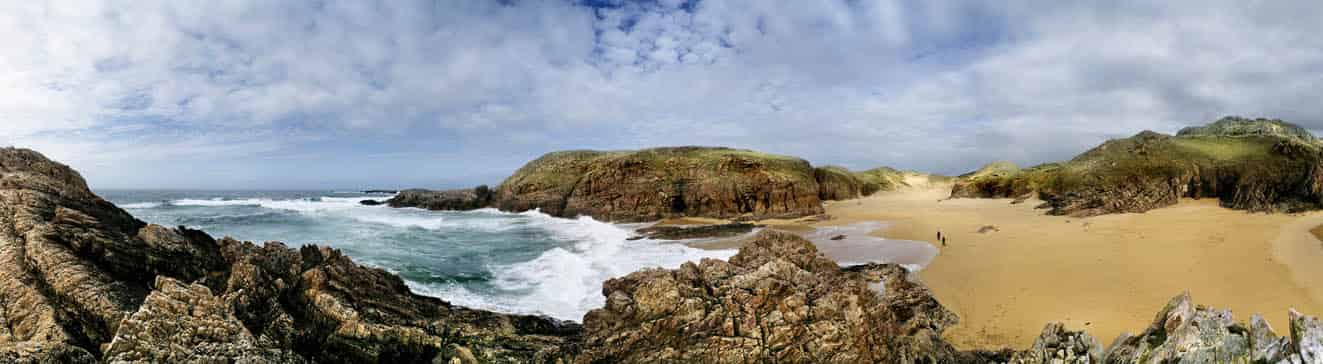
(525, 262)
(508, 262)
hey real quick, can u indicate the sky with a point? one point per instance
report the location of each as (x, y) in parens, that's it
(257, 94)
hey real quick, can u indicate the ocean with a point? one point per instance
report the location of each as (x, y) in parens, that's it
(526, 262)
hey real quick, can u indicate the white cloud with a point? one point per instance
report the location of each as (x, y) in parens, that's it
(938, 85)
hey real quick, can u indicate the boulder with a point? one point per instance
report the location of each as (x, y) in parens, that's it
(778, 300)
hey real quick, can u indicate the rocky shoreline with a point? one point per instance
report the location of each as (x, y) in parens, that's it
(659, 183)
(85, 282)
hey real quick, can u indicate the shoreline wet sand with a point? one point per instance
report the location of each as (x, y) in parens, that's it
(1106, 274)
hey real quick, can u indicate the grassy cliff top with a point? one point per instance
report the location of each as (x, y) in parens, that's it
(563, 167)
(1209, 160)
(1234, 126)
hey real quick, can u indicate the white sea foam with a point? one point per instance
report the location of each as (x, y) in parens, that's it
(141, 205)
(348, 207)
(566, 283)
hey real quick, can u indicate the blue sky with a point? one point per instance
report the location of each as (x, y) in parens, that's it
(346, 94)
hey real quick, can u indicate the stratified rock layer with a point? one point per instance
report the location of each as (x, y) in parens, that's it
(82, 280)
(652, 184)
(778, 300)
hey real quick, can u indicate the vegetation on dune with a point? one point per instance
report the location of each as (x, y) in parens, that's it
(839, 183)
(1257, 165)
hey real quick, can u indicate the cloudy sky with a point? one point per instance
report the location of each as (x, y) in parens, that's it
(345, 94)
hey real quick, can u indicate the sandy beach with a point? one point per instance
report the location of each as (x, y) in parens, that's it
(1107, 274)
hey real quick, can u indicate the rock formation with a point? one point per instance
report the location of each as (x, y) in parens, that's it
(838, 183)
(83, 281)
(652, 184)
(778, 300)
(681, 232)
(1185, 333)
(458, 199)
(1257, 165)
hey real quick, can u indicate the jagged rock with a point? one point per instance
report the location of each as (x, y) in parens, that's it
(459, 199)
(778, 300)
(1266, 346)
(180, 323)
(370, 203)
(680, 232)
(1306, 338)
(82, 279)
(1256, 165)
(1057, 345)
(1185, 333)
(653, 184)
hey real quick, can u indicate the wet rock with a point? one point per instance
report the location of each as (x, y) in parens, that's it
(681, 232)
(370, 203)
(987, 229)
(446, 200)
(838, 237)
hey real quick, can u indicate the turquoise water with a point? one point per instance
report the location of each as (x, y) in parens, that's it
(510, 262)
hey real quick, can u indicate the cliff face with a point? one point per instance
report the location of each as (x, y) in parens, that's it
(1259, 165)
(652, 184)
(838, 183)
(83, 281)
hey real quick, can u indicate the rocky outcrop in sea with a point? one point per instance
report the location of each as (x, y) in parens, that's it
(85, 282)
(444, 200)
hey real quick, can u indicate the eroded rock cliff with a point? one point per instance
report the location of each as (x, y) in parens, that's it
(1257, 165)
(652, 184)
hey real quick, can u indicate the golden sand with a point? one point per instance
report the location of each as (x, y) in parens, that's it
(1106, 274)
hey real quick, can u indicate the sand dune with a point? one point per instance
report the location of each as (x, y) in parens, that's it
(1108, 273)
